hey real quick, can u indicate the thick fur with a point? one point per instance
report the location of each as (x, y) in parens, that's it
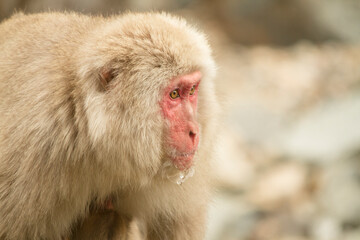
(66, 141)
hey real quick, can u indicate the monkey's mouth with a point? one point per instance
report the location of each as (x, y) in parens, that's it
(190, 154)
(183, 161)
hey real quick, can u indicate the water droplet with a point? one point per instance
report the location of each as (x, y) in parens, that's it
(184, 175)
(170, 172)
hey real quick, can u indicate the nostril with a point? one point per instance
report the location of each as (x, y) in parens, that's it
(192, 135)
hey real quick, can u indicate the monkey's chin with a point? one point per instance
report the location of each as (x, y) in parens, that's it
(174, 174)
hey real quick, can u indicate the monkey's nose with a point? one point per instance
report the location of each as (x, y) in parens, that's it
(193, 131)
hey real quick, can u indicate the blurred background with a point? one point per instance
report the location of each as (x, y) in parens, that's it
(288, 166)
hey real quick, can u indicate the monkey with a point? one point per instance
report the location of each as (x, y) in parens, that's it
(95, 110)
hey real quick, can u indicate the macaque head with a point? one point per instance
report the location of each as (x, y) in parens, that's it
(147, 106)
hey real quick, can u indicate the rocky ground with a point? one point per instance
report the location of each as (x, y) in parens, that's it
(289, 155)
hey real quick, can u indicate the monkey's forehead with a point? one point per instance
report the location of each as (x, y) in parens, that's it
(156, 38)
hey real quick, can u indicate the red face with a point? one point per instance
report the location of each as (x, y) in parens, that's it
(179, 107)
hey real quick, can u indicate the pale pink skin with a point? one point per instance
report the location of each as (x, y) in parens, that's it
(181, 113)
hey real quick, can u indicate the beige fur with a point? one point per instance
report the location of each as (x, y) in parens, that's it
(66, 142)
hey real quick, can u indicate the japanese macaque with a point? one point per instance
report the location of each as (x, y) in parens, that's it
(104, 113)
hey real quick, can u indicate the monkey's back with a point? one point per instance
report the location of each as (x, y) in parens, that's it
(36, 71)
(38, 126)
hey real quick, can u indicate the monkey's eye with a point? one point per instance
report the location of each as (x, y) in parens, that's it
(175, 94)
(192, 90)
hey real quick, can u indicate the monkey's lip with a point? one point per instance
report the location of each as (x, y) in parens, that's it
(184, 161)
(189, 154)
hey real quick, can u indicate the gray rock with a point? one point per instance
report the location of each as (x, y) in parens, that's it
(340, 16)
(340, 192)
(230, 218)
(352, 235)
(326, 228)
(282, 183)
(327, 132)
(233, 169)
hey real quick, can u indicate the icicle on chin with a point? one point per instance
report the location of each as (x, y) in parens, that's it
(170, 172)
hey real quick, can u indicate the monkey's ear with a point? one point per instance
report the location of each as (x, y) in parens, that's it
(106, 76)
